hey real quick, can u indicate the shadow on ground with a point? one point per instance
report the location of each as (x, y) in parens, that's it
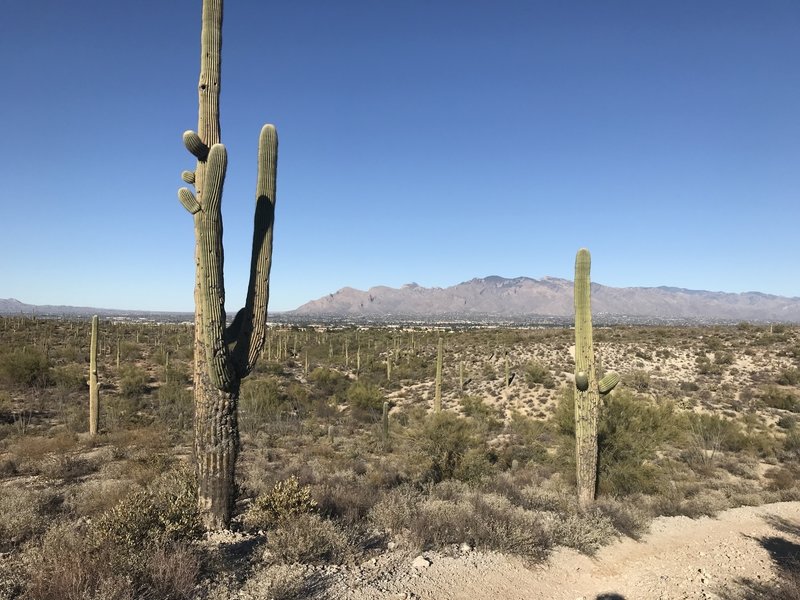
(785, 555)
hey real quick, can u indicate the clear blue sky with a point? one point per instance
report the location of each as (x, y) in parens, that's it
(427, 141)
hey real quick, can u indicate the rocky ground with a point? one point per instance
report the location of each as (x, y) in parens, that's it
(730, 556)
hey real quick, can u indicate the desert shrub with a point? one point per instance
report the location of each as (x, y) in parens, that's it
(788, 377)
(486, 521)
(328, 382)
(791, 443)
(70, 378)
(95, 497)
(365, 400)
(175, 405)
(308, 538)
(133, 381)
(396, 509)
(584, 532)
(775, 397)
(346, 496)
(276, 582)
(25, 367)
(66, 467)
(440, 443)
(22, 516)
(708, 435)
(526, 441)
(630, 430)
(486, 416)
(626, 516)
(638, 381)
(129, 351)
(286, 499)
(780, 478)
(166, 509)
(261, 401)
(71, 564)
(536, 373)
(723, 358)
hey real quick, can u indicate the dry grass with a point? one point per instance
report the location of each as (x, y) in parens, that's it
(704, 419)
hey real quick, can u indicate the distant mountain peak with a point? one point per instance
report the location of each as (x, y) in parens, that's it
(503, 297)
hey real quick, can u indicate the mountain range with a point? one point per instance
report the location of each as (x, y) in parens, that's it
(522, 297)
(500, 299)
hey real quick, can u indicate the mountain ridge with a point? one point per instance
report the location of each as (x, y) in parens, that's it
(496, 298)
(550, 297)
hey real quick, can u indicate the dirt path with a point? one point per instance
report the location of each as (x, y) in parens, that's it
(679, 559)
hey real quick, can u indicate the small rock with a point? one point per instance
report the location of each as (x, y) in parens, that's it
(391, 546)
(465, 547)
(421, 562)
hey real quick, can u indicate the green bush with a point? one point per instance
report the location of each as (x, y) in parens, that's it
(71, 378)
(133, 381)
(536, 373)
(788, 377)
(327, 382)
(286, 499)
(24, 368)
(630, 430)
(440, 442)
(775, 397)
(261, 401)
(175, 405)
(167, 509)
(365, 400)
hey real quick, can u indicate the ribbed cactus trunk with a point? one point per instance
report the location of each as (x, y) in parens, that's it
(587, 400)
(385, 424)
(437, 394)
(219, 369)
(94, 393)
(587, 387)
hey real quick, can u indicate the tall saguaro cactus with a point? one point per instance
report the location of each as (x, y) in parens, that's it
(223, 356)
(437, 390)
(588, 388)
(94, 394)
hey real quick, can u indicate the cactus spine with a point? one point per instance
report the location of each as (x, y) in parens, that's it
(588, 389)
(94, 393)
(437, 395)
(219, 369)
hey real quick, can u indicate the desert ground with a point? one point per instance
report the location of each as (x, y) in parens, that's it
(697, 491)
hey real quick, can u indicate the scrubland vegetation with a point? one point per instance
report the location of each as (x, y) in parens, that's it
(704, 419)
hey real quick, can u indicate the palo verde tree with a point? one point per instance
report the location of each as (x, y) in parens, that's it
(223, 356)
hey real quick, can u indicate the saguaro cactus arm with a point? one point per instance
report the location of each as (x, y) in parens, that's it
(253, 331)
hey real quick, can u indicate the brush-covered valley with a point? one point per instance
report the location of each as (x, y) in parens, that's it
(351, 485)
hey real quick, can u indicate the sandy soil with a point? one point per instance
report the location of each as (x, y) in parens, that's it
(680, 558)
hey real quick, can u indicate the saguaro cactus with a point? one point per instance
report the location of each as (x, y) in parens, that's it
(385, 424)
(94, 393)
(219, 368)
(588, 389)
(437, 393)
